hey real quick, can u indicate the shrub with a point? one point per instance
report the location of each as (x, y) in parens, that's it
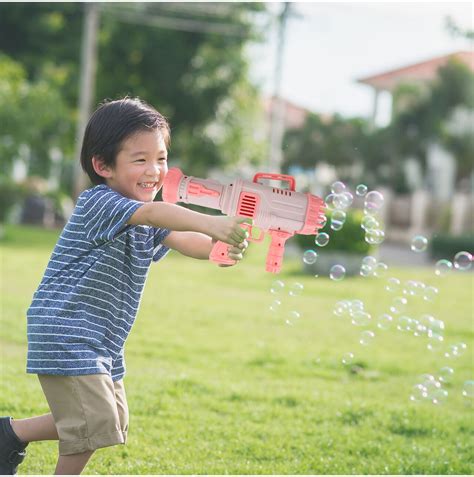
(446, 246)
(350, 239)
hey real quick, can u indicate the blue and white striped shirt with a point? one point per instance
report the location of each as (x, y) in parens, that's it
(87, 301)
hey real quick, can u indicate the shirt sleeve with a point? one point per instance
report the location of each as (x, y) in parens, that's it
(105, 213)
(159, 249)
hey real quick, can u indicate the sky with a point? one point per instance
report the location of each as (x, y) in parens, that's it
(332, 44)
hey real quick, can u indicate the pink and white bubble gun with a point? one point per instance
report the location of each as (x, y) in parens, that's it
(279, 212)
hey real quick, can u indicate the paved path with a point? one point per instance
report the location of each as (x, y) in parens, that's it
(401, 255)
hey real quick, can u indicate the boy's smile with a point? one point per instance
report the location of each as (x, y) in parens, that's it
(140, 166)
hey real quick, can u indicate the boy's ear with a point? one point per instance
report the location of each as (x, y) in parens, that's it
(100, 168)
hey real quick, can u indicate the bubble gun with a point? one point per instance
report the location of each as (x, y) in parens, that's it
(278, 212)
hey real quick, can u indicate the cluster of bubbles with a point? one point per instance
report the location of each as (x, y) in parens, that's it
(430, 387)
(371, 223)
(280, 306)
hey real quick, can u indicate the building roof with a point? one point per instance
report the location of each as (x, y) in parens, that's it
(423, 71)
(295, 116)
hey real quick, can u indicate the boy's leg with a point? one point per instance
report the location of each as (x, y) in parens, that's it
(40, 428)
(72, 464)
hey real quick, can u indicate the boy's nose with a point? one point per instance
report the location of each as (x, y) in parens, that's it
(153, 171)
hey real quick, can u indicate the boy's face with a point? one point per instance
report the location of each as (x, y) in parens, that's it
(140, 166)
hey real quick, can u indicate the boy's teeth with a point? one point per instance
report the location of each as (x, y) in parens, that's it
(147, 184)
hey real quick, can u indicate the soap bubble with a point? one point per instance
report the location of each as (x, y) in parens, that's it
(344, 200)
(322, 221)
(310, 257)
(374, 236)
(348, 358)
(277, 287)
(427, 321)
(322, 239)
(294, 315)
(431, 385)
(393, 285)
(361, 190)
(357, 305)
(414, 288)
(337, 219)
(369, 222)
(417, 327)
(296, 289)
(370, 261)
(373, 201)
(443, 267)
(463, 261)
(398, 305)
(461, 348)
(366, 270)
(452, 352)
(338, 187)
(419, 243)
(404, 323)
(275, 306)
(360, 318)
(384, 321)
(380, 270)
(468, 389)
(445, 374)
(430, 294)
(436, 326)
(418, 393)
(341, 308)
(410, 288)
(439, 396)
(337, 273)
(329, 200)
(435, 342)
(366, 337)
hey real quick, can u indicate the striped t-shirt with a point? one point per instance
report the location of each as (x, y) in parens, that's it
(87, 301)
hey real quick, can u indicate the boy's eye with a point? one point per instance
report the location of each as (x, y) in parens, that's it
(140, 160)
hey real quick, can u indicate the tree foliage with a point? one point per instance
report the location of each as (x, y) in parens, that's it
(33, 116)
(195, 78)
(440, 111)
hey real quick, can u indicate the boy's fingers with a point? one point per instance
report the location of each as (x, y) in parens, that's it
(243, 245)
(245, 220)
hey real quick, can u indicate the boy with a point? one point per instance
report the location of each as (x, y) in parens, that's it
(87, 301)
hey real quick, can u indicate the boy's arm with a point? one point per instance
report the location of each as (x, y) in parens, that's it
(180, 219)
(191, 244)
(197, 245)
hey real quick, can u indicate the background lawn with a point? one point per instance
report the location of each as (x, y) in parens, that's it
(217, 384)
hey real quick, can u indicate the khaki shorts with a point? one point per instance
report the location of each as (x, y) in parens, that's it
(90, 411)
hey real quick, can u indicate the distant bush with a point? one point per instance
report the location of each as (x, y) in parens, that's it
(446, 246)
(350, 239)
(11, 194)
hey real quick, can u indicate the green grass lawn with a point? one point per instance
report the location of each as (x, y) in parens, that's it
(217, 384)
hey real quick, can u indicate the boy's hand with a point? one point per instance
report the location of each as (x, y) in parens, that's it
(236, 253)
(229, 230)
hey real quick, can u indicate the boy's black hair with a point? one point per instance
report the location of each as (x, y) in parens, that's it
(111, 124)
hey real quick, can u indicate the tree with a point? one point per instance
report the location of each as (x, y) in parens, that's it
(432, 118)
(32, 117)
(188, 75)
(337, 141)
